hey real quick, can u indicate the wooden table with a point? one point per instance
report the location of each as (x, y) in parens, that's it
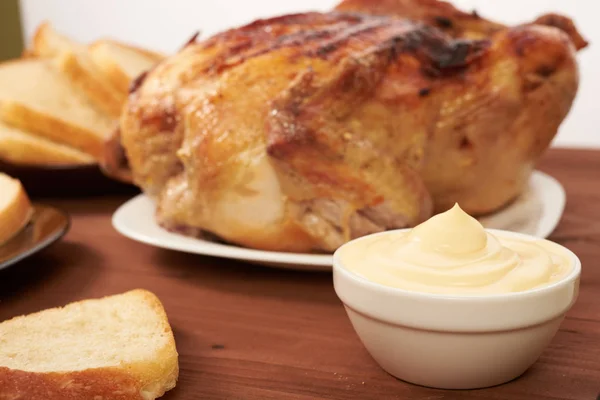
(248, 332)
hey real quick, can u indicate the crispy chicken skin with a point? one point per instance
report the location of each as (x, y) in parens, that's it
(451, 20)
(440, 14)
(300, 132)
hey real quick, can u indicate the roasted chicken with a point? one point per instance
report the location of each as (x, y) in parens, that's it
(300, 132)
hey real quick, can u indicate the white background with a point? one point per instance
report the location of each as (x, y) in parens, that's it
(166, 24)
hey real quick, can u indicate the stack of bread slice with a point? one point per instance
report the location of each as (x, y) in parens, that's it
(62, 99)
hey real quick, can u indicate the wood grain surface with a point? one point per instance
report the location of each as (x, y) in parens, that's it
(248, 332)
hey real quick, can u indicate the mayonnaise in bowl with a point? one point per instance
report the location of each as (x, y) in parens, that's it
(451, 305)
(452, 254)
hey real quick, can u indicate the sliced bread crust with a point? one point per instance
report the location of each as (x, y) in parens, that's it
(35, 97)
(144, 379)
(15, 210)
(73, 60)
(107, 384)
(50, 127)
(23, 148)
(97, 90)
(121, 63)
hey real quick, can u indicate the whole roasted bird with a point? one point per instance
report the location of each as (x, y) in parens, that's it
(300, 132)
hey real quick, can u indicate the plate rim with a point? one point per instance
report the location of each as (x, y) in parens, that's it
(299, 261)
(233, 252)
(52, 238)
(561, 201)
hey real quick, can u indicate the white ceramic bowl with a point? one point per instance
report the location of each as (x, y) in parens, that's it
(453, 342)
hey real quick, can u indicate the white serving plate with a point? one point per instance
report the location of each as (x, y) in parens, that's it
(536, 212)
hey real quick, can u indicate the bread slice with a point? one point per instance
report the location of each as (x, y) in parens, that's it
(35, 97)
(119, 347)
(121, 63)
(21, 148)
(73, 60)
(15, 210)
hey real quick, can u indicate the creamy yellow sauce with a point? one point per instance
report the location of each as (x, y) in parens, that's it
(453, 254)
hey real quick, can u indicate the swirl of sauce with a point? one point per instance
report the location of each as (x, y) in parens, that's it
(452, 253)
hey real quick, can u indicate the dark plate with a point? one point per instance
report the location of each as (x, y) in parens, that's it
(65, 181)
(47, 225)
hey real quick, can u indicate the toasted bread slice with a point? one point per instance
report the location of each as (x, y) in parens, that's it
(15, 210)
(121, 63)
(35, 97)
(22, 148)
(73, 60)
(118, 347)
